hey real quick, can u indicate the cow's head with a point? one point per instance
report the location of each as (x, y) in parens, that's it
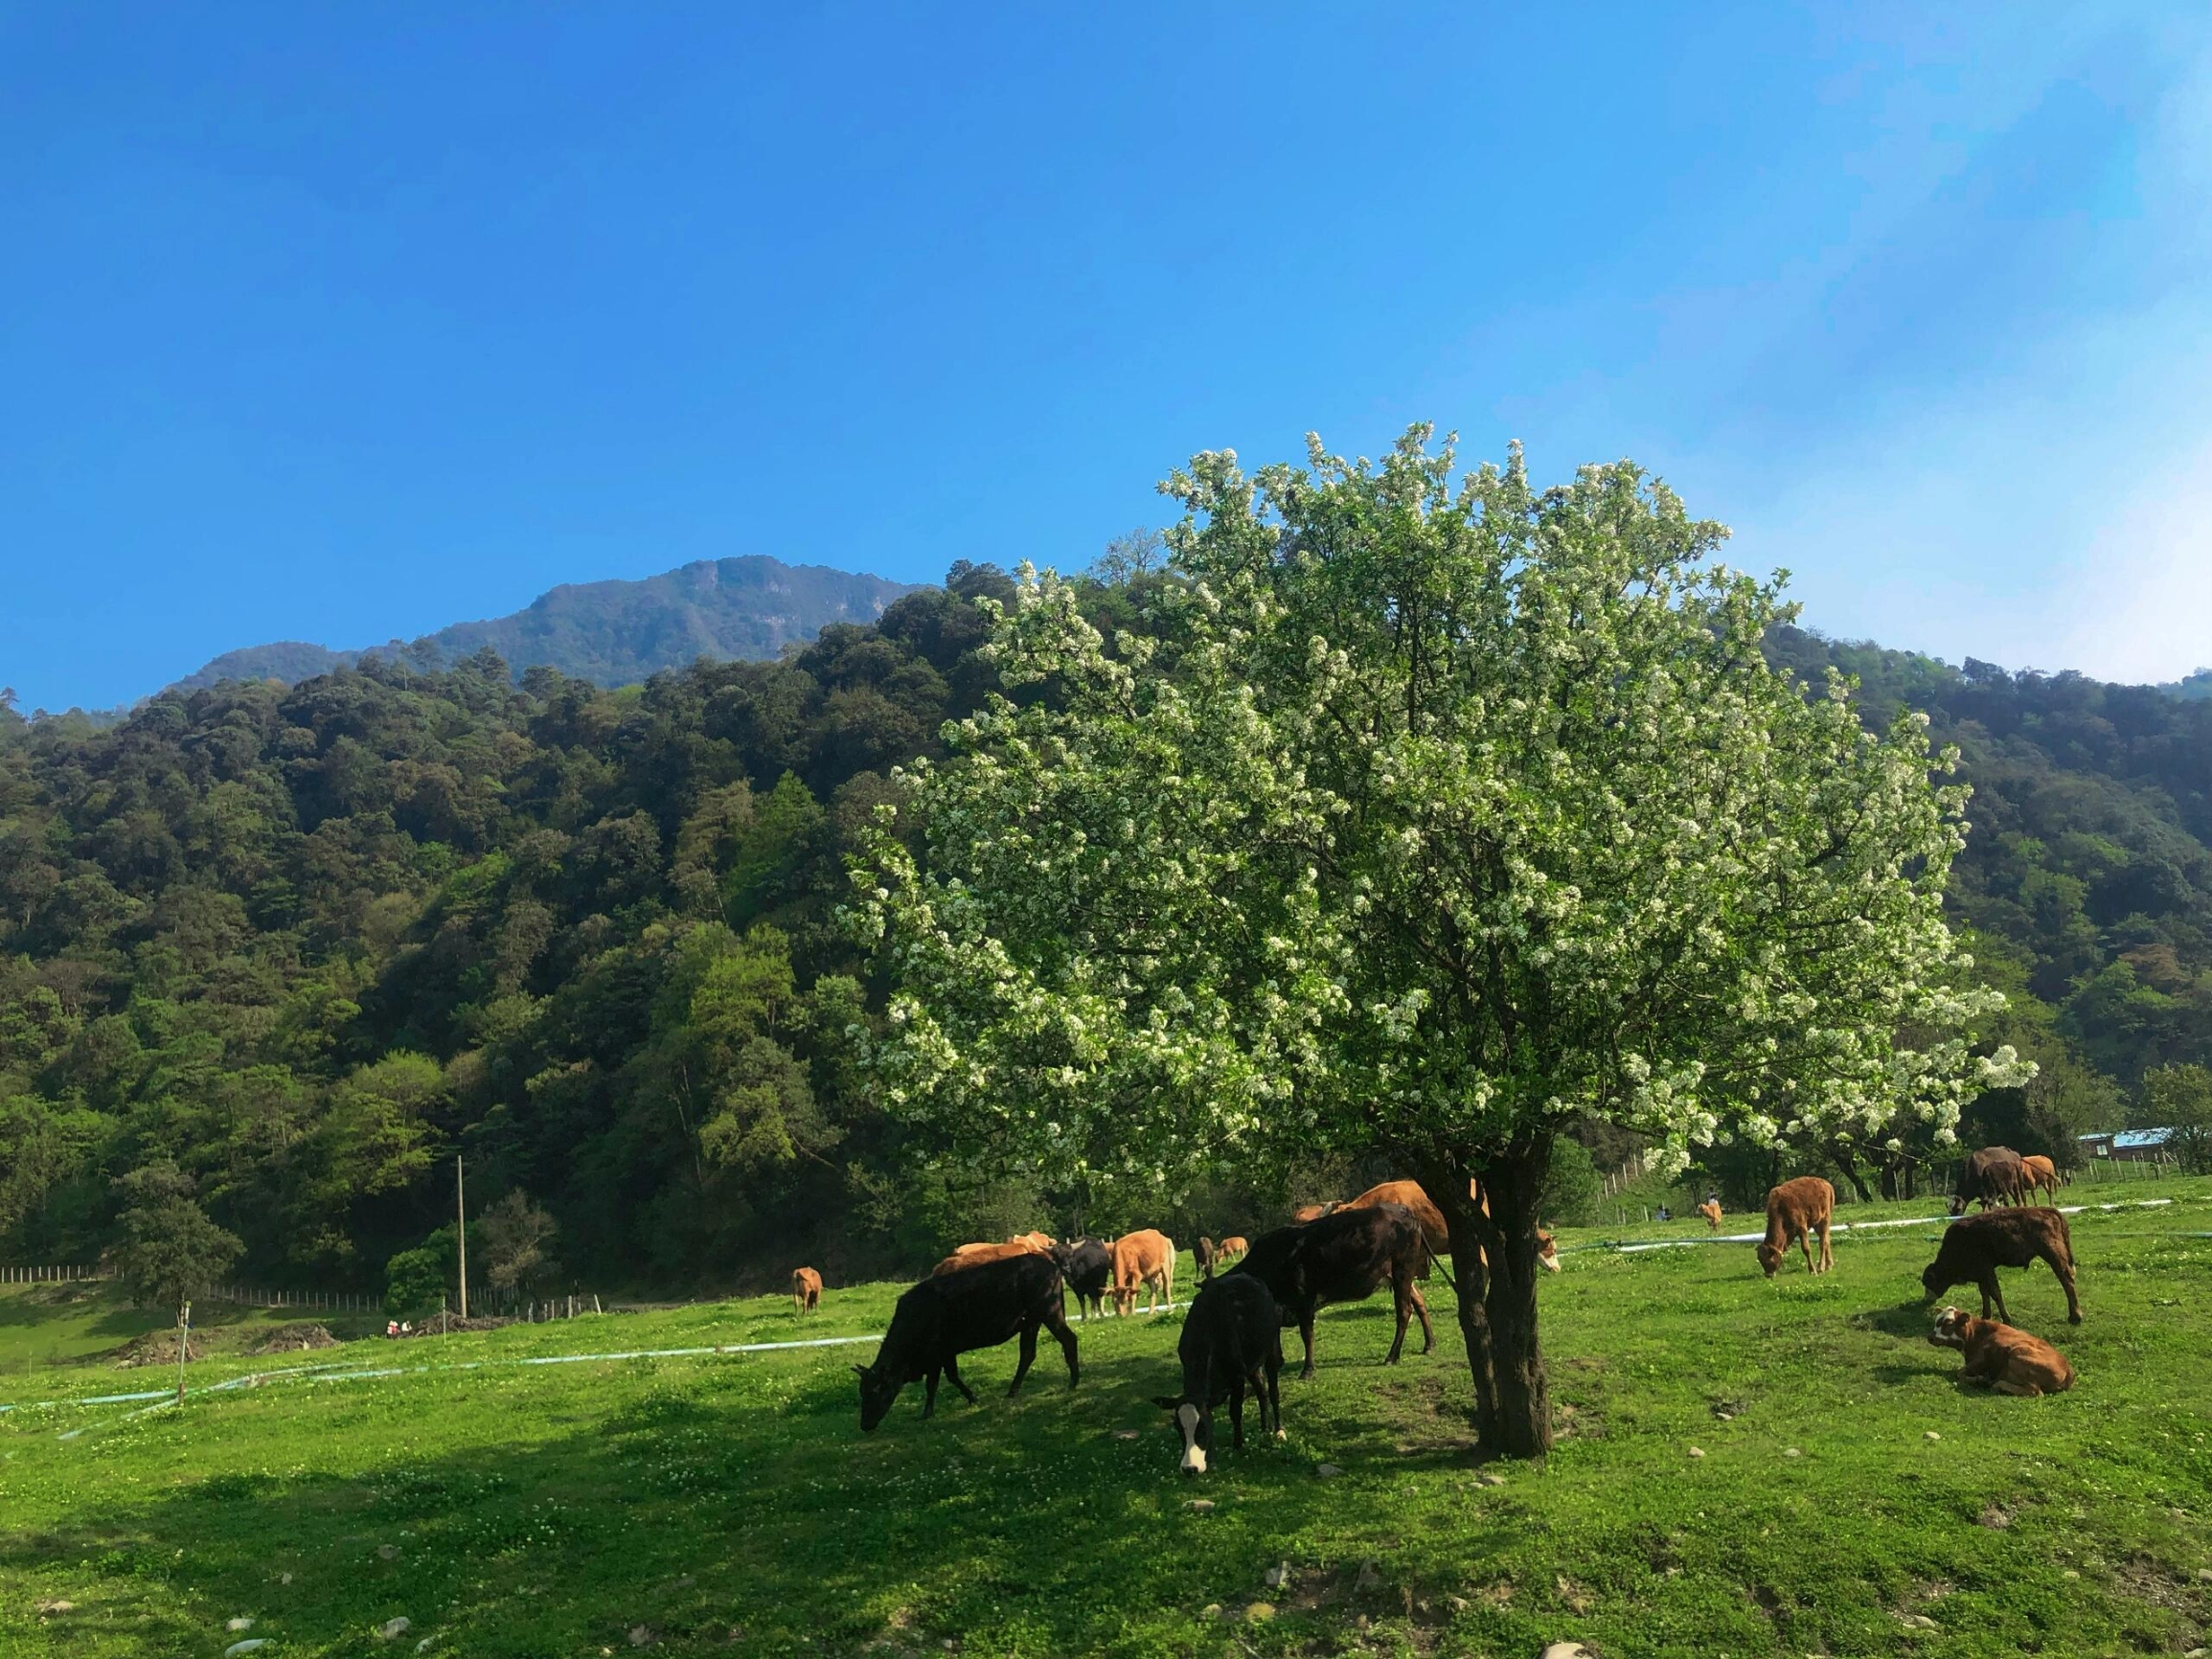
(1769, 1258)
(1197, 1422)
(1958, 1203)
(877, 1393)
(1950, 1329)
(1932, 1281)
(1547, 1251)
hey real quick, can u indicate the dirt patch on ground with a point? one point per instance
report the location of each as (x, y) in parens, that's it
(156, 1347)
(435, 1326)
(295, 1339)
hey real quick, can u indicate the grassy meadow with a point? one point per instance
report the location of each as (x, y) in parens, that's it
(1851, 1498)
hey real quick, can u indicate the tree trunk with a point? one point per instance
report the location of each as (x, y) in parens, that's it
(1448, 1189)
(1850, 1168)
(1514, 1183)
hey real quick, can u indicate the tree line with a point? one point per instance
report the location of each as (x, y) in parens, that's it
(271, 958)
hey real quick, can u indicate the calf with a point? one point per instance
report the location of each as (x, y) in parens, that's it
(1202, 1253)
(1041, 1242)
(945, 1317)
(1794, 1211)
(1232, 1341)
(1144, 1260)
(2009, 1361)
(1993, 1176)
(1710, 1208)
(976, 1255)
(1230, 1248)
(2043, 1174)
(1088, 1265)
(1976, 1246)
(806, 1290)
(1344, 1257)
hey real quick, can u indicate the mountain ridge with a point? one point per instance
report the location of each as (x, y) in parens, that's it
(613, 632)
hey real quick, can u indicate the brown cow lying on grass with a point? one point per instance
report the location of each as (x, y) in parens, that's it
(1795, 1211)
(806, 1290)
(2008, 1360)
(1976, 1246)
(1144, 1261)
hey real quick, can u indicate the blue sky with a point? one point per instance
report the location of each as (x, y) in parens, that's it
(343, 323)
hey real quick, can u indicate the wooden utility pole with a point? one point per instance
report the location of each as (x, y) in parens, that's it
(461, 1215)
(183, 1346)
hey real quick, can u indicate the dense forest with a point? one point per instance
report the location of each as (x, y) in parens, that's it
(278, 955)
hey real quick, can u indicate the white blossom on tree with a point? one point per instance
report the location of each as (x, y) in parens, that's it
(1424, 814)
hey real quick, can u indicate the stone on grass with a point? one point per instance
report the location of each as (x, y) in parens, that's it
(1931, 1434)
(251, 1644)
(1327, 1472)
(2071, 1573)
(1567, 1650)
(1791, 1451)
(243, 1622)
(1916, 1622)
(1127, 1433)
(1260, 1612)
(1211, 1610)
(2204, 1575)
(1697, 1451)
(387, 1552)
(1369, 1579)
(392, 1628)
(1203, 1506)
(1278, 1575)
(56, 1607)
(1491, 1479)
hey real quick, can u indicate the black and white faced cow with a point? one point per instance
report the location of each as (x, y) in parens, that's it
(949, 1314)
(1232, 1341)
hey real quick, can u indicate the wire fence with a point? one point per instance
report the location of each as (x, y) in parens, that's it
(488, 1302)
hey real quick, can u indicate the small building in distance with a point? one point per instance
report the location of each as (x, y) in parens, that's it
(2128, 1146)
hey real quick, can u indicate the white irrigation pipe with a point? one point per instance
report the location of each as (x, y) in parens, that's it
(334, 1374)
(1848, 1227)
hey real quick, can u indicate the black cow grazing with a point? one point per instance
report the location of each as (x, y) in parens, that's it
(1995, 1176)
(1976, 1246)
(1232, 1341)
(1087, 1265)
(1343, 1256)
(947, 1315)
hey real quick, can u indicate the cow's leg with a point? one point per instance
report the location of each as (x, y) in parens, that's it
(1402, 1304)
(1427, 1331)
(1805, 1243)
(1028, 1357)
(1274, 1374)
(1306, 1334)
(929, 1394)
(952, 1376)
(1994, 1290)
(1827, 1254)
(2064, 1270)
(2025, 1390)
(1066, 1338)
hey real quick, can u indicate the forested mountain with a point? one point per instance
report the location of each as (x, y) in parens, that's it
(614, 633)
(305, 943)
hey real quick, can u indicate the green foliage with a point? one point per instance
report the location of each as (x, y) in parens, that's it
(1572, 1192)
(416, 1283)
(2179, 1097)
(169, 1249)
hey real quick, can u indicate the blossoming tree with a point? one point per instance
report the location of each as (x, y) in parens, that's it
(1423, 815)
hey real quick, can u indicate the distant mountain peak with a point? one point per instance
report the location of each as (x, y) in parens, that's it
(618, 633)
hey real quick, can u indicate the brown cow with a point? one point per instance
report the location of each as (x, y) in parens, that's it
(1145, 1260)
(1230, 1248)
(1710, 1208)
(1993, 1176)
(1306, 1212)
(1795, 1211)
(976, 1255)
(1976, 1246)
(2043, 1174)
(806, 1290)
(2008, 1360)
(1041, 1242)
(1202, 1253)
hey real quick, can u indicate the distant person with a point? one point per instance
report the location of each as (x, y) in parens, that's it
(391, 1328)
(1664, 1214)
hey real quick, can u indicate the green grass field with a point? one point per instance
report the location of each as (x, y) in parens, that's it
(727, 1503)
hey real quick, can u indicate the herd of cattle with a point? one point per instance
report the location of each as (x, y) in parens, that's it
(984, 1294)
